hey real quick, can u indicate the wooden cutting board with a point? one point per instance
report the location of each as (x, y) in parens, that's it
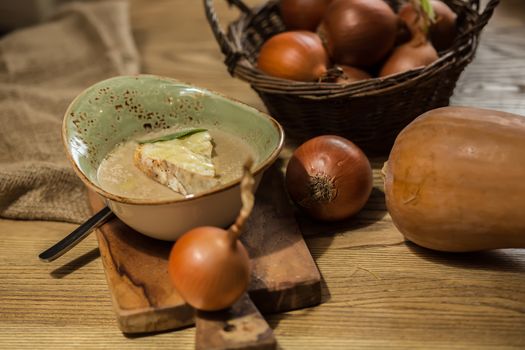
(284, 274)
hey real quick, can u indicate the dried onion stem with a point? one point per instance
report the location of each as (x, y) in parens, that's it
(248, 200)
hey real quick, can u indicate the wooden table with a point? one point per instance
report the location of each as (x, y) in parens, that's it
(379, 292)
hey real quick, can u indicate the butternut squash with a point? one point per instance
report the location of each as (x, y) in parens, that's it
(455, 180)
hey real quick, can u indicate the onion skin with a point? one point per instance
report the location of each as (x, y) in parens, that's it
(294, 55)
(329, 178)
(416, 53)
(454, 180)
(303, 14)
(413, 20)
(358, 33)
(208, 272)
(443, 31)
(409, 56)
(403, 33)
(352, 75)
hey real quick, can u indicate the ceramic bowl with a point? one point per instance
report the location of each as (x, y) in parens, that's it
(117, 109)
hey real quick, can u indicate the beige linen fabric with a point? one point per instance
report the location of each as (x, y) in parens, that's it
(42, 69)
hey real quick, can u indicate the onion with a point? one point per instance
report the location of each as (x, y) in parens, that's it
(303, 14)
(351, 75)
(414, 18)
(358, 32)
(418, 52)
(403, 34)
(209, 266)
(443, 30)
(409, 56)
(294, 55)
(329, 178)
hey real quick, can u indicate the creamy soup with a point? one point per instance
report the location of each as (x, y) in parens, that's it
(118, 174)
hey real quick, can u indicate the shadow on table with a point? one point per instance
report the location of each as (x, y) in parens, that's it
(320, 235)
(275, 318)
(373, 211)
(149, 334)
(324, 232)
(75, 264)
(490, 260)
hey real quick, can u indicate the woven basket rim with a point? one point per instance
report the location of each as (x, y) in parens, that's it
(259, 80)
(387, 84)
(370, 112)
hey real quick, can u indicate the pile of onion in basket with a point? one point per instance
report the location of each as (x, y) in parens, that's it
(351, 40)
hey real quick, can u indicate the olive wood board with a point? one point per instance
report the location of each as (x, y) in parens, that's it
(284, 274)
(239, 327)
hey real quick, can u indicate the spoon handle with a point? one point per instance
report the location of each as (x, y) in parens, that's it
(76, 236)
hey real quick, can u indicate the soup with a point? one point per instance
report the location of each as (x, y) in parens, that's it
(119, 175)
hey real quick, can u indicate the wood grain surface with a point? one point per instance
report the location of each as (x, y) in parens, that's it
(378, 291)
(284, 275)
(240, 327)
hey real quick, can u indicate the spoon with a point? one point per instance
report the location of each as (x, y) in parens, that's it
(76, 236)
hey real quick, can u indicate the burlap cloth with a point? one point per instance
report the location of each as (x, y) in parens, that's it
(42, 68)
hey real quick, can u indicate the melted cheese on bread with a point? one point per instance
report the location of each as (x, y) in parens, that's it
(185, 165)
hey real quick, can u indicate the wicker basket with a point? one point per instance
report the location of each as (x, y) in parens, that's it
(370, 113)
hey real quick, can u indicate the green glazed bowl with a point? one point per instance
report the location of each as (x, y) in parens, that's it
(120, 108)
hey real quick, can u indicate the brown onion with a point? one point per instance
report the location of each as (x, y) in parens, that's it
(303, 14)
(403, 34)
(358, 32)
(209, 266)
(409, 56)
(295, 55)
(351, 75)
(414, 19)
(329, 178)
(443, 30)
(416, 53)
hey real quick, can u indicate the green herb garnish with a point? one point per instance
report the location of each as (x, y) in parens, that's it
(177, 135)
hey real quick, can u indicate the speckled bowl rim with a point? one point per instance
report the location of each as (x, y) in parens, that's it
(262, 167)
